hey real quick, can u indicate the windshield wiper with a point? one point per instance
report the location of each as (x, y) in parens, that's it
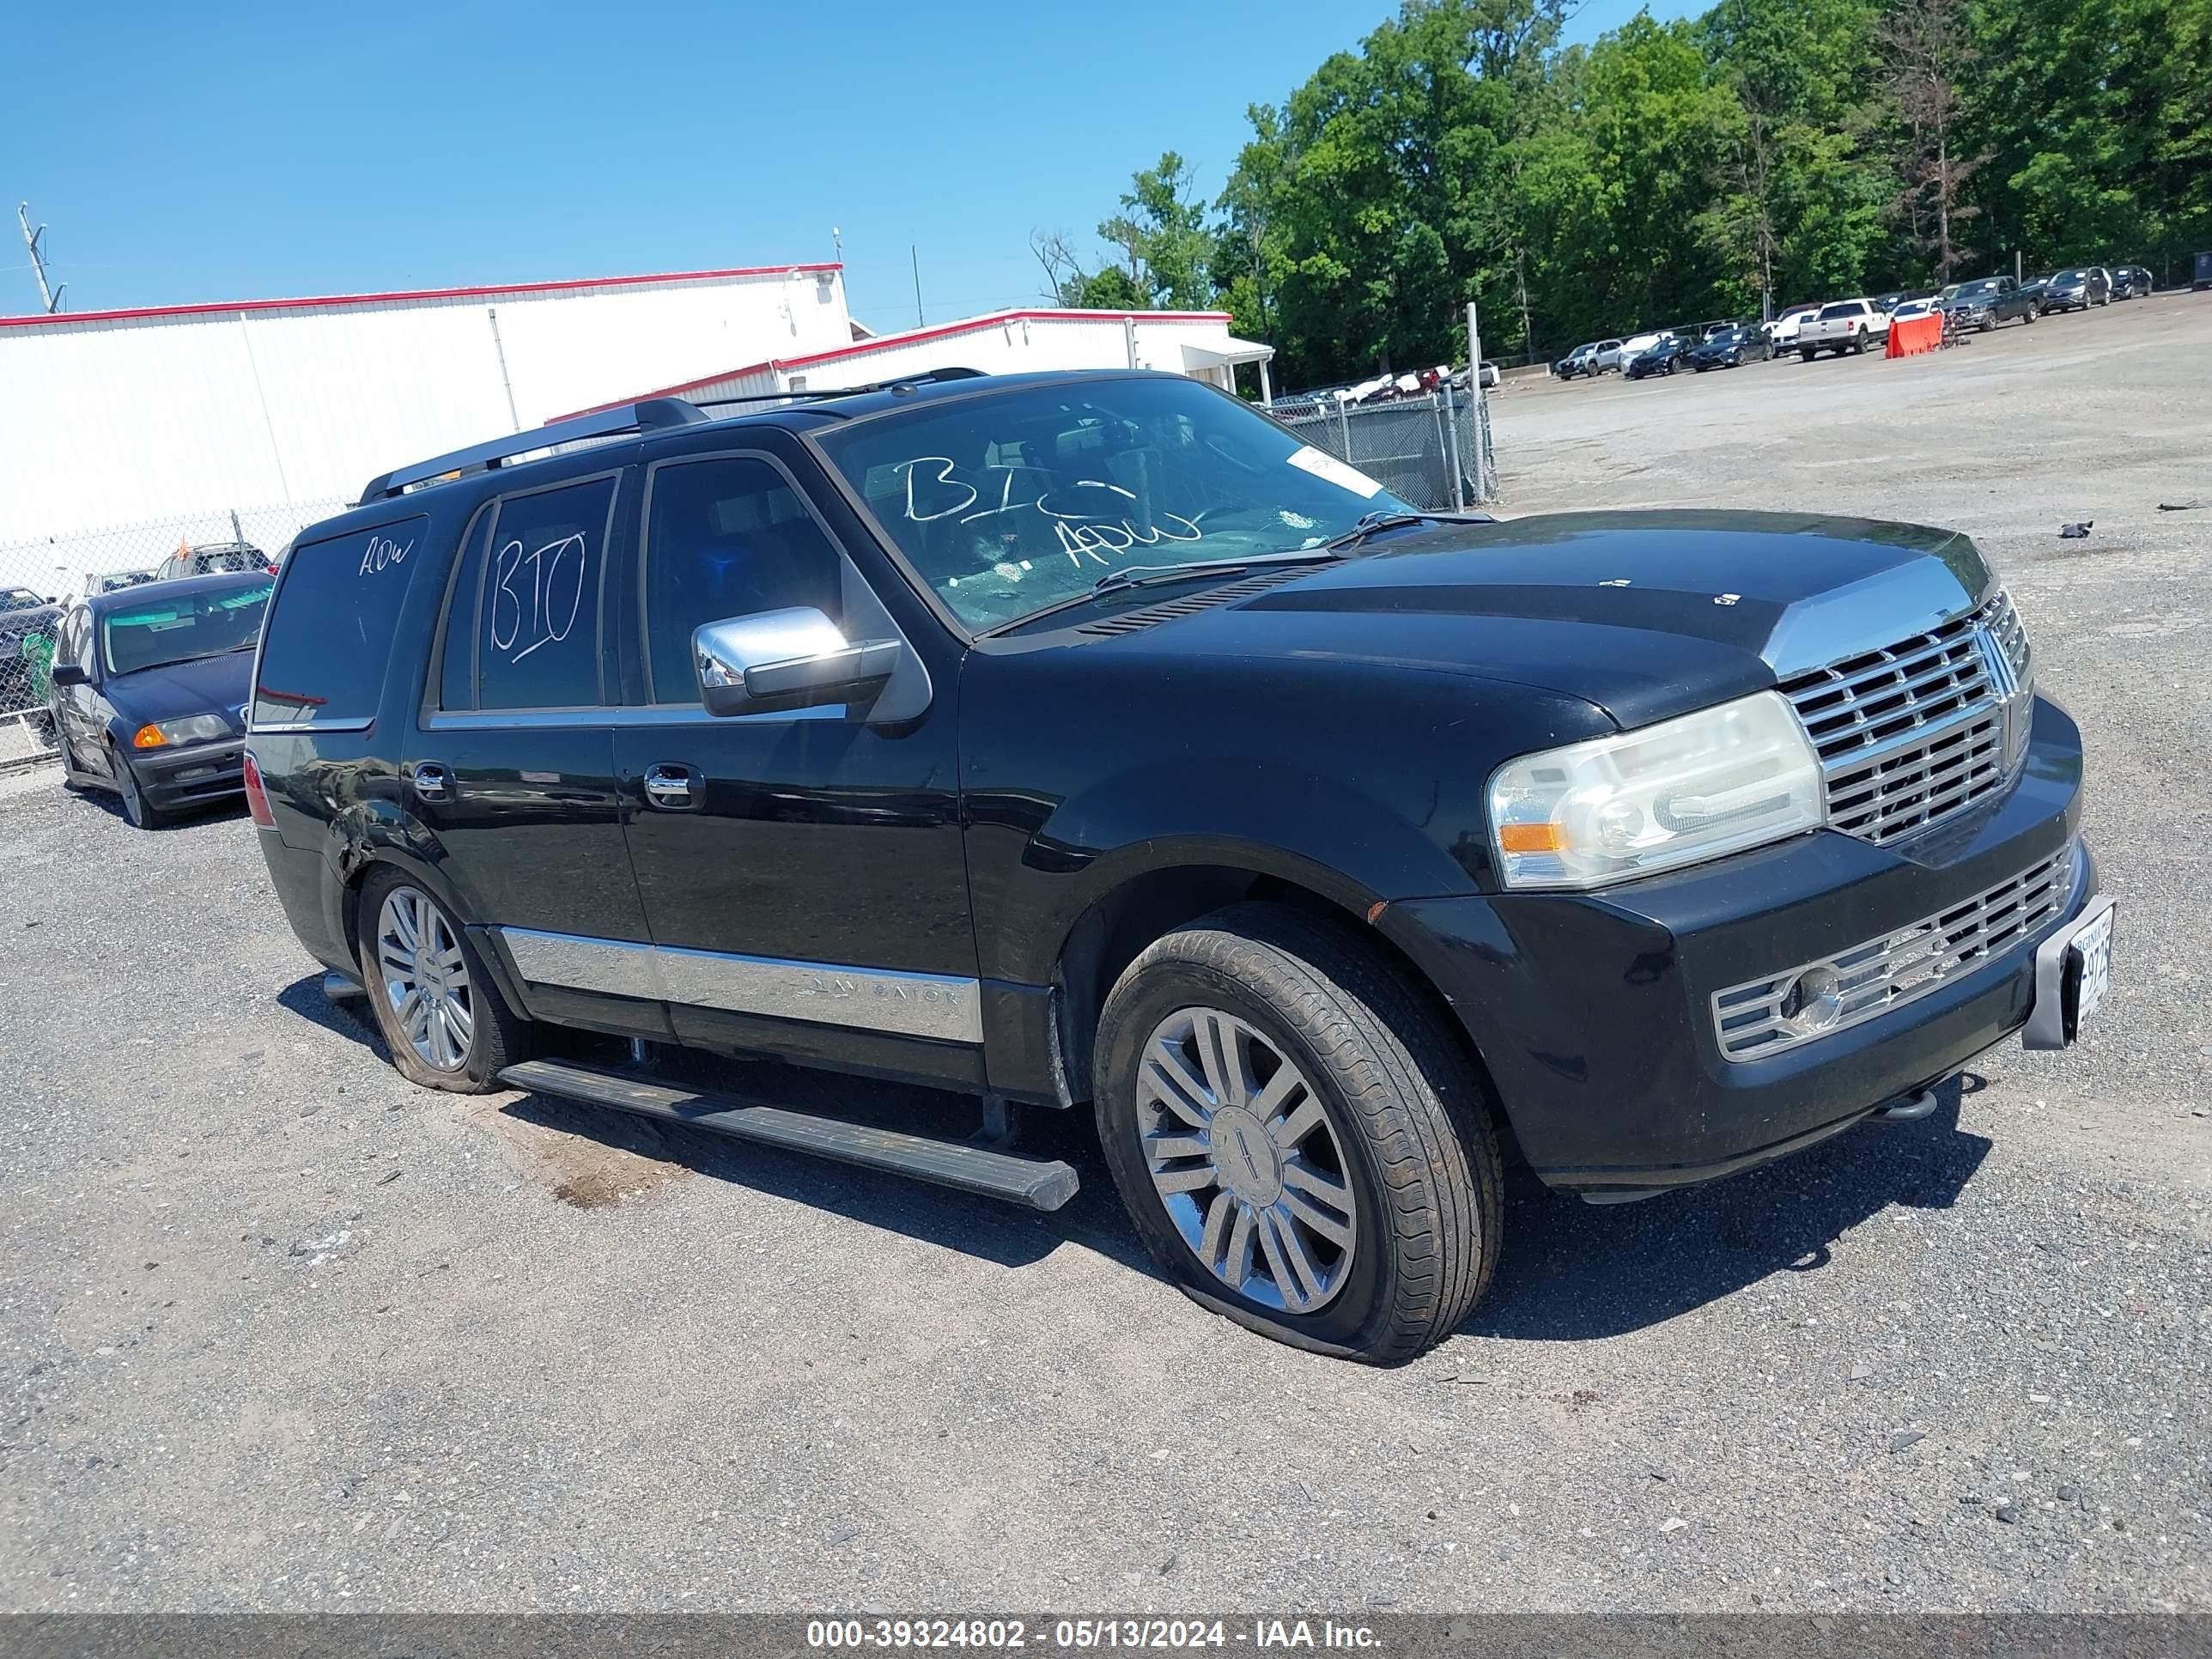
(1395, 517)
(1148, 575)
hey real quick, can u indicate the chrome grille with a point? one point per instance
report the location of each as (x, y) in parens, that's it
(1914, 731)
(1756, 1019)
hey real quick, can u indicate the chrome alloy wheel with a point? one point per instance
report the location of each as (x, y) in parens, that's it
(1245, 1160)
(426, 979)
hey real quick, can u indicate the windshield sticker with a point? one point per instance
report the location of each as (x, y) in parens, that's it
(1322, 465)
(1295, 521)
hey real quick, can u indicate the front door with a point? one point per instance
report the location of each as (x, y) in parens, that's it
(511, 767)
(802, 874)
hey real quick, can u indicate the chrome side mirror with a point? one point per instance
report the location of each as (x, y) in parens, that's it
(774, 661)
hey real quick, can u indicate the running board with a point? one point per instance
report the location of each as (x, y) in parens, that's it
(1039, 1183)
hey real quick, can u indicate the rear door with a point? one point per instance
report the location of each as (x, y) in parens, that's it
(511, 763)
(802, 873)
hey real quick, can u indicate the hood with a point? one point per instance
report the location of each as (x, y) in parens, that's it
(1646, 615)
(210, 685)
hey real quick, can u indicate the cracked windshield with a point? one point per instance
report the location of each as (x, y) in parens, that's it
(1010, 501)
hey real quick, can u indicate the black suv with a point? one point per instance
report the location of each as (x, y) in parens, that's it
(1089, 739)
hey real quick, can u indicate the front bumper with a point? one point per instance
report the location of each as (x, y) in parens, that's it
(1595, 1012)
(193, 775)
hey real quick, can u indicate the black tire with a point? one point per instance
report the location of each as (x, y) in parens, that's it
(137, 811)
(1806, 354)
(1988, 321)
(2030, 314)
(1418, 1143)
(499, 1036)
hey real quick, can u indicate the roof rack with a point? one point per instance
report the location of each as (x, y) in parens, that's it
(647, 415)
(651, 413)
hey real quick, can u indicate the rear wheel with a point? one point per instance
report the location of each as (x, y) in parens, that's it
(1806, 354)
(1297, 1140)
(441, 1015)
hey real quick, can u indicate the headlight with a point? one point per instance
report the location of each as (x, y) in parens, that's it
(194, 729)
(1679, 792)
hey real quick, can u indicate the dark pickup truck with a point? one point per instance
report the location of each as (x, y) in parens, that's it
(1981, 306)
(1090, 741)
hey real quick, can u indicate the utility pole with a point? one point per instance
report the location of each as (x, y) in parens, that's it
(50, 297)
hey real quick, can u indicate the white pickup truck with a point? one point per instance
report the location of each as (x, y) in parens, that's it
(1842, 326)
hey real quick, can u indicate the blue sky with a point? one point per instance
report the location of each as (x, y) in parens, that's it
(249, 151)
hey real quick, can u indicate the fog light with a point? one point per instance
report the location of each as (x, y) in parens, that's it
(1814, 1002)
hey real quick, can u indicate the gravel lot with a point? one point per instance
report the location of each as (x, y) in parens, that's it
(278, 1331)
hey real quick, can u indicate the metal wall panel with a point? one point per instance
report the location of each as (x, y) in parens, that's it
(137, 418)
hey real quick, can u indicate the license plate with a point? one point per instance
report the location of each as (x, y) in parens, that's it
(2092, 948)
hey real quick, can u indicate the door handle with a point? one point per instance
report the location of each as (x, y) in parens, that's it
(432, 781)
(672, 789)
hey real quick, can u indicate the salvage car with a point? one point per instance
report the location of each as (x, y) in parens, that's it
(1663, 357)
(1727, 348)
(1981, 306)
(2131, 282)
(1087, 741)
(149, 690)
(1844, 325)
(2077, 289)
(214, 558)
(1583, 360)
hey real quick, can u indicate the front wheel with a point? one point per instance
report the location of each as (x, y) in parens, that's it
(142, 814)
(1296, 1136)
(436, 1005)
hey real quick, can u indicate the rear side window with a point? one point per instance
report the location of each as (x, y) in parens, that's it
(523, 629)
(330, 639)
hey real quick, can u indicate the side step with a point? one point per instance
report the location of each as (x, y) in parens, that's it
(1040, 1184)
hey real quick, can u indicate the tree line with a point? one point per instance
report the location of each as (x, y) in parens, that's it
(1770, 151)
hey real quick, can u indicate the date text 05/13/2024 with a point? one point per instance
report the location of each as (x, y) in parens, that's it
(1087, 1634)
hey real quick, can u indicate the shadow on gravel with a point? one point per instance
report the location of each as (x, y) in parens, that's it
(1574, 1272)
(305, 998)
(980, 1227)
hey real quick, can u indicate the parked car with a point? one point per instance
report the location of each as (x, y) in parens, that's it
(1636, 345)
(149, 692)
(1911, 308)
(88, 584)
(1608, 355)
(1664, 356)
(1781, 331)
(1844, 325)
(1727, 348)
(26, 628)
(1583, 360)
(214, 558)
(2131, 282)
(1084, 800)
(1982, 304)
(2036, 288)
(2077, 289)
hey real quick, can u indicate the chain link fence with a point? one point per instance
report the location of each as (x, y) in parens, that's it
(39, 579)
(1433, 450)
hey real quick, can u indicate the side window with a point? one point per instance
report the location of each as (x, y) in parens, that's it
(330, 639)
(537, 626)
(726, 539)
(457, 656)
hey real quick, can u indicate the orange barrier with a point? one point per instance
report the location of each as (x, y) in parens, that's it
(1915, 334)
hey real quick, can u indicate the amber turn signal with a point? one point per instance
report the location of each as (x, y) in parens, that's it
(147, 736)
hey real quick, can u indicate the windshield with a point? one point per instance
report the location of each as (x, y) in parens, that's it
(1977, 290)
(182, 628)
(2071, 276)
(1006, 502)
(115, 581)
(18, 598)
(1725, 337)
